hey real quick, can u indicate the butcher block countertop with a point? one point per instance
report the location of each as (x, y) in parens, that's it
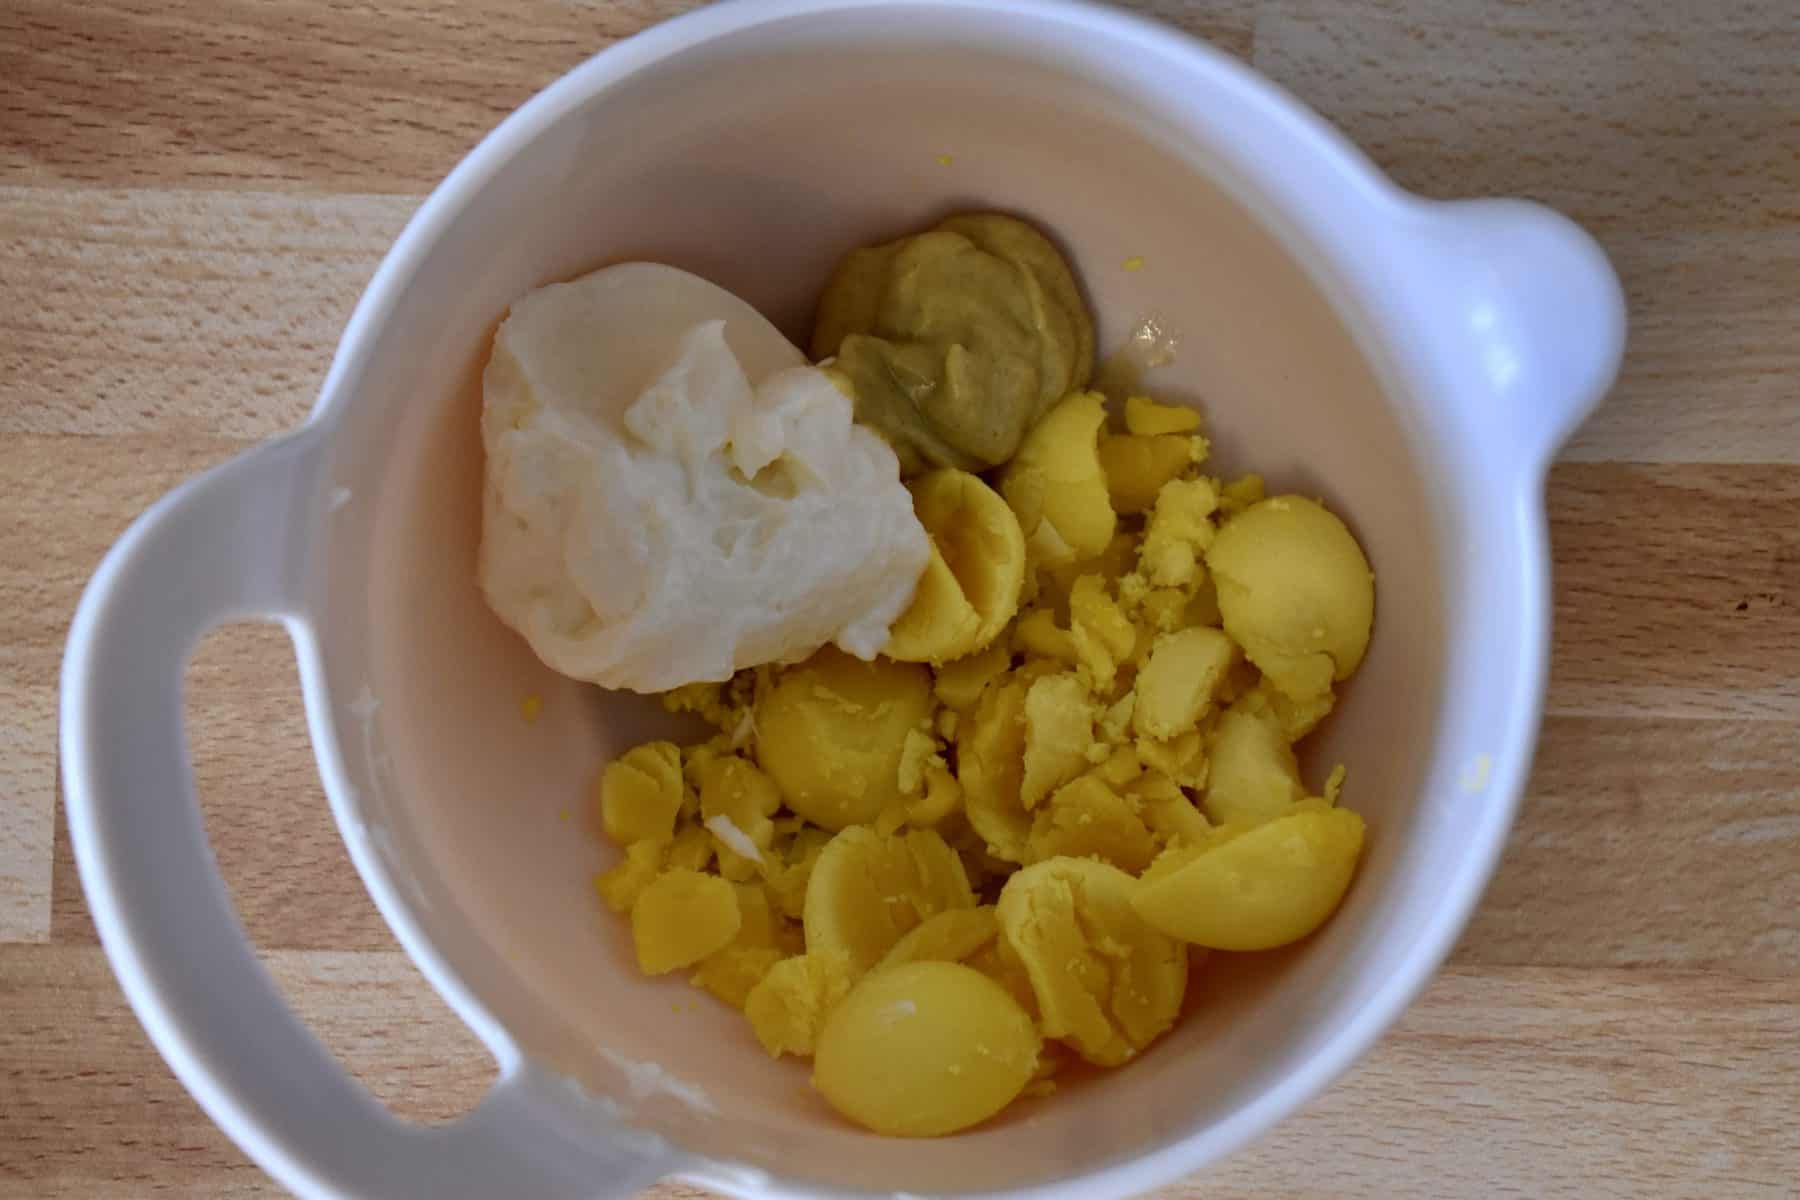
(194, 192)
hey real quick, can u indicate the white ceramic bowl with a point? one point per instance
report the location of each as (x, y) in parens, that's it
(1416, 363)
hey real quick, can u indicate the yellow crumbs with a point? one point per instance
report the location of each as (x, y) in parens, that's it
(1135, 263)
(530, 707)
(945, 873)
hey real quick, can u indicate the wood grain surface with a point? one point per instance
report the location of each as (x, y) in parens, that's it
(193, 193)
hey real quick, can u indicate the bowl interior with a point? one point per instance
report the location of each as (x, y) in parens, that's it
(756, 160)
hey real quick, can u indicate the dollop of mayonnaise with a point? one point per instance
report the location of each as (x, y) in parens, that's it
(672, 495)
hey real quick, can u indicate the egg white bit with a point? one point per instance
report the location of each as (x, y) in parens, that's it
(1153, 342)
(646, 1079)
(744, 730)
(734, 838)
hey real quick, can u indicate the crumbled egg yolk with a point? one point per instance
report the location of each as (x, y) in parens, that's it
(971, 585)
(1057, 485)
(946, 873)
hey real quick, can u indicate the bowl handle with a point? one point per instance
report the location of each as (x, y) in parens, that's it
(228, 545)
(1535, 315)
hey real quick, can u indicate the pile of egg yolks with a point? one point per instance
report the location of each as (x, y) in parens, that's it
(944, 873)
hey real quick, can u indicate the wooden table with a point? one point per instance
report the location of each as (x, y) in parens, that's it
(193, 193)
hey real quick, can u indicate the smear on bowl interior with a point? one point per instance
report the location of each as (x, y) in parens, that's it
(1006, 683)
